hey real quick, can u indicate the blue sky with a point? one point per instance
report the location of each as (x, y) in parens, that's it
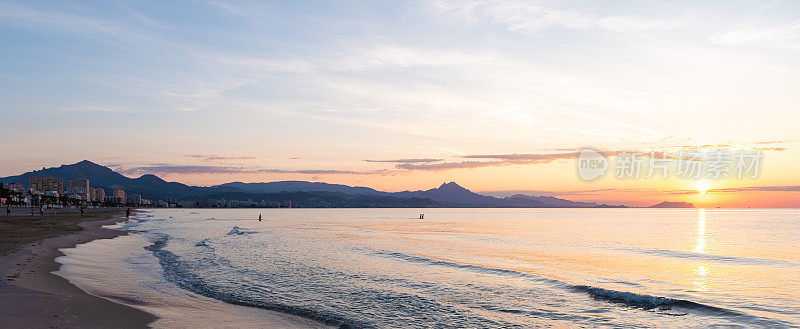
(301, 90)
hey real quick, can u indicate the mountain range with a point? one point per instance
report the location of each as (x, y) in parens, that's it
(301, 193)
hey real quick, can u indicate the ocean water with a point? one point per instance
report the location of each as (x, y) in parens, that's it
(471, 268)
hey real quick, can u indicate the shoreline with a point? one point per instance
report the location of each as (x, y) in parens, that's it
(31, 296)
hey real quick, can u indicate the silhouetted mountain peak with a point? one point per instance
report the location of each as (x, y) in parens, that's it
(673, 204)
(150, 178)
(451, 187)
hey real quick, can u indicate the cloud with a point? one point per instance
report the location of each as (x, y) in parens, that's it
(449, 165)
(776, 149)
(62, 21)
(498, 160)
(530, 157)
(784, 188)
(781, 36)
(179, 169)
(405, 56)
(424, 160)
(226, 158)
(94, 109)
(190, 169)
(507, 193)
(215, 157)
(531, 17)
(769, 142)
(324, 172)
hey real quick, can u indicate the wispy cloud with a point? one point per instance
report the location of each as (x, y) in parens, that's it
(785, 188)
(769, 142)
(781, 36)
(227, 158)
(423, 160)
(215, 157)
(532, 17)
(94, 109)
(192, 169)
(63, 21)
(181, 169)
(498, 160)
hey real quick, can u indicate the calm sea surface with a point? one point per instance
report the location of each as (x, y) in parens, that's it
(492, 268)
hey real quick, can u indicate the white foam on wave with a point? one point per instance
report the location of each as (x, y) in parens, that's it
(631, 298)
(238, 231)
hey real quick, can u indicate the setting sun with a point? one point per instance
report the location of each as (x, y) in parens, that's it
(703, 186)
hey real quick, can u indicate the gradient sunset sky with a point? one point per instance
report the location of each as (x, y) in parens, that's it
(397, 95)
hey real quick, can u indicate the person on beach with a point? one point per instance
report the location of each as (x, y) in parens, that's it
(259, 217)
(127, 213)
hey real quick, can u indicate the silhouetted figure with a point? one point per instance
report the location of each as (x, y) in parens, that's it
(127, 213)
(8, 210)
(41, 211)
(82, 208)
(31, 209)
(421, 216)
(259, 217)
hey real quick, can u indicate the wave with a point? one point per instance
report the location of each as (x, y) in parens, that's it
(239, 231)
(181, 273)
(176, 271)
(739, 260)
(643, 301)
(477, 268)
(649, 302)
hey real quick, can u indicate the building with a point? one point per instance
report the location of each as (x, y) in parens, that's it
(47, 185)
(16, 187)
(118, 196)
(78, 188)
(134, 199)
(97, 194)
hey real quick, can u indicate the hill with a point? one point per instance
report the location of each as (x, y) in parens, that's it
(149, 186)
(671, 204)
(301, 193)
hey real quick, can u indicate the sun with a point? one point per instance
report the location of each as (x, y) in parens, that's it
(702, 187)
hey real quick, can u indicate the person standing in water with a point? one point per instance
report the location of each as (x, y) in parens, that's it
(127, 213)
(259, 217)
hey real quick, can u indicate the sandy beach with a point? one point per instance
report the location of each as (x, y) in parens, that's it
(32, 297)
(35, 294)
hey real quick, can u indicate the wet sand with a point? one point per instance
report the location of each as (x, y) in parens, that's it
(32, 297)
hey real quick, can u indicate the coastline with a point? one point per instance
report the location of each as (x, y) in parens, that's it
(31, 296)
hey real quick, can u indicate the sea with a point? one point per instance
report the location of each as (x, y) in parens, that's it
(456, 268)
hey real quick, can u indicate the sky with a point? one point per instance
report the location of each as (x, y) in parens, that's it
(498, 96)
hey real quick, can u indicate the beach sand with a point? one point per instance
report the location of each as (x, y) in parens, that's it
(32, 297)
